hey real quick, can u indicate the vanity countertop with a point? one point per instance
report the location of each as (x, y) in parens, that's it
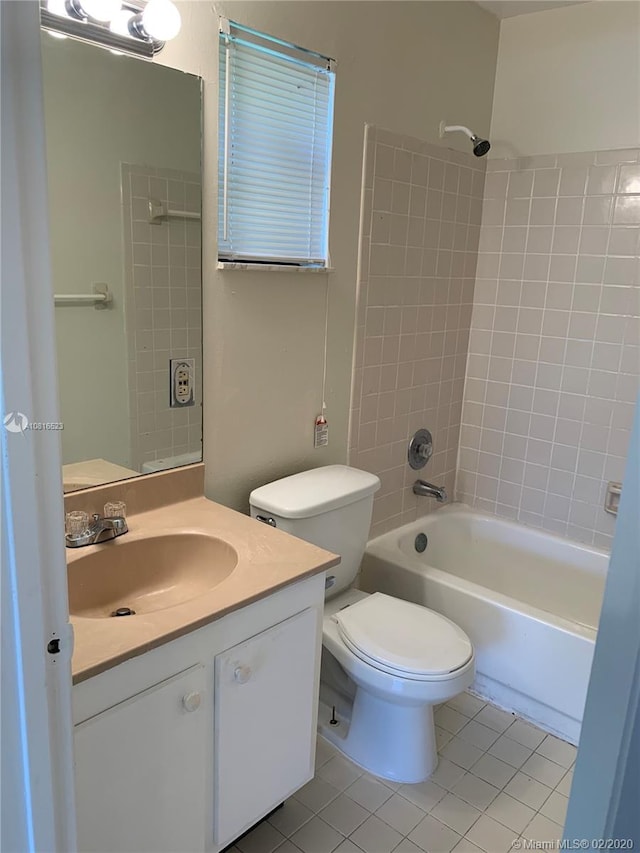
(268, 560)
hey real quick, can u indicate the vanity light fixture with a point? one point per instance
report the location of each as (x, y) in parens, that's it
(122, 26)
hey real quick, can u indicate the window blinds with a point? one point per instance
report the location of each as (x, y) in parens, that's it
(276, 122)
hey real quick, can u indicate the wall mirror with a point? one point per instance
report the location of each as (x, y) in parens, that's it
(123, 141)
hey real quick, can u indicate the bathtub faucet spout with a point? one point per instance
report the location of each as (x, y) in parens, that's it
(428, 490)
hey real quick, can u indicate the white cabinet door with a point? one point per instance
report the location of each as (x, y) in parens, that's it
(140, 770)
(265, 718)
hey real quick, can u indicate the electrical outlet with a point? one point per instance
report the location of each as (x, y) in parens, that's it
(181, 382)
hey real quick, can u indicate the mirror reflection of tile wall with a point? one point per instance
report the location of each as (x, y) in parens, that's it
(163, 312)
(120, 131)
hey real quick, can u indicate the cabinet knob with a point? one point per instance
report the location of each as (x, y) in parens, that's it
(242, 674)
(191, 701)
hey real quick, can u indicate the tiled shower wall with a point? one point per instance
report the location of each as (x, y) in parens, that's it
(163, 309)
(419, 237)
(553, 355)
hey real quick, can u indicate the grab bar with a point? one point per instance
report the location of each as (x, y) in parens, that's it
(159, 210)
(100, 298)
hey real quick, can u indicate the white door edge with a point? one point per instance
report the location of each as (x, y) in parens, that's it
(37, 757)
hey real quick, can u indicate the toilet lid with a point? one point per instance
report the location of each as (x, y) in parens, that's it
(403, 636)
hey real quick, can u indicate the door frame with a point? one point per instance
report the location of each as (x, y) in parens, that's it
(37, 734)
(603, 802)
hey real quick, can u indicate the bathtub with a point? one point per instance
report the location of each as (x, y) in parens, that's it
(529, 601)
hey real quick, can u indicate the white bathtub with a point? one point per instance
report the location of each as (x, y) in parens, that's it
(529, 601)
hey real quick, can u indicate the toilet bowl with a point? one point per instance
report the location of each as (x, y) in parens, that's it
(385, 662)
(387, 726)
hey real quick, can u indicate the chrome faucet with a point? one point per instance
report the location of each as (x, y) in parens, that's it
(428, 490)
(100, 530)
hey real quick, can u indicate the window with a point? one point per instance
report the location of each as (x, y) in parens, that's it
(276, 122)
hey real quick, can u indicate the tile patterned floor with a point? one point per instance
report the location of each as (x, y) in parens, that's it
(499, 779)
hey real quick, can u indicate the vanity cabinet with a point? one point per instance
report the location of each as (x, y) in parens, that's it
(188, 745)
(264, 742)
(140, 770)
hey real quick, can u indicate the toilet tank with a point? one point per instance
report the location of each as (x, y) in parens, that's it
(330, 507)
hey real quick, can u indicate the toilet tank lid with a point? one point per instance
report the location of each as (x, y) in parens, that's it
(314, 492)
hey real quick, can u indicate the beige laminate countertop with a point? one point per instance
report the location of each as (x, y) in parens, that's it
(268, 560)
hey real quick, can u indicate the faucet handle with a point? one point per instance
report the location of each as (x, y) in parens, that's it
(76, 523)
(115, 509)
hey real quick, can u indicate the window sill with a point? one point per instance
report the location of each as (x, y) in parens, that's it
(244, 266)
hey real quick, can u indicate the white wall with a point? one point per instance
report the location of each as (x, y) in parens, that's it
(401, 65)
(568, 80)
(100, 111)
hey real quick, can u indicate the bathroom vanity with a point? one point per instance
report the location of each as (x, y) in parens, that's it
(194, 721)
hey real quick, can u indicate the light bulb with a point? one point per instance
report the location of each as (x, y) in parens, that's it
(57, 7)
(120, 23)
(161, 20)
(101, 10)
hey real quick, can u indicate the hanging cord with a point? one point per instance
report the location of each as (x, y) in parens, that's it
(326, 336)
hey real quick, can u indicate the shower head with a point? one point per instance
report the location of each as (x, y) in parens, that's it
(480, 145)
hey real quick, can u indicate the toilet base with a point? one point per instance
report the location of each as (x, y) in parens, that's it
(392, 741)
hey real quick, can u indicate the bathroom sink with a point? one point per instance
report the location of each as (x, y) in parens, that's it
(147, 574)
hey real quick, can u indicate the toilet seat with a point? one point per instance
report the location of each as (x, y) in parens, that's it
(403, 639)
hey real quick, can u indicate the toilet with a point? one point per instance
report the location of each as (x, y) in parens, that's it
(385, 662)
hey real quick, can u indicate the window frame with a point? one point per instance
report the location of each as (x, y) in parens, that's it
(230, 32)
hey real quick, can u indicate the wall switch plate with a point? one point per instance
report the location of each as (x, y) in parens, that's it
(182, 374)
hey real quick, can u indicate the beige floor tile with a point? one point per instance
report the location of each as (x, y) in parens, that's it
(543, 770)
(347, 846)
(344, 814)
(510, 812)
(316, 794)
(510, 751)
(462, 753)
(475, 791)
(339, 772)
(478, 735)
(564, 785)
(542, 829)
(494, 771)
(375, 836)
(447, 774)
(287, 847)
(556, 808)
(433, 836)
(263, 839)
(491, 836)
(466, 846)
(369, 792)
(495, 718)
(316, 836)
(400, 814)
(324, 751)
(424, 795)
(526, 734)
(407, 846)
(290, 817)
(557, 750)
(528, 791)
(442, 737)
(455, 813)
(450, 719)
(467, 704)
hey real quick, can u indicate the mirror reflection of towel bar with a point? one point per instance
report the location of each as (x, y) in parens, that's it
(100, 298)
(159, 210)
